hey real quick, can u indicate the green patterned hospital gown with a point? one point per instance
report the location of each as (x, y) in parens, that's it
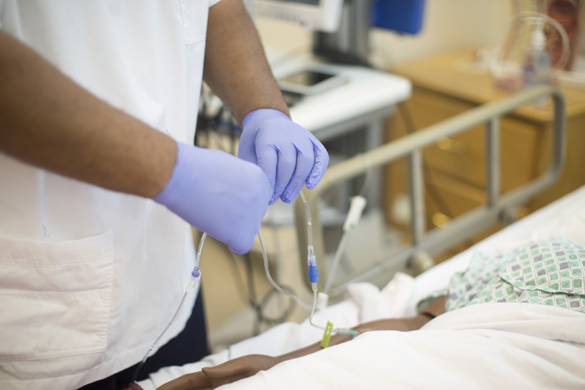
(547, 272)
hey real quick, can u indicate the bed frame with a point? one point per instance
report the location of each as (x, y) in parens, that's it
(465, 226)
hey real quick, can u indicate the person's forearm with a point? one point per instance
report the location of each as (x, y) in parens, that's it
(400, 324)
(235, 64)
(249, 365)
(49, 121)
(435, 308)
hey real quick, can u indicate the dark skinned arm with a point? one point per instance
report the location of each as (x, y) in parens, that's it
(235, 64)
(48, 120)
(246, 366)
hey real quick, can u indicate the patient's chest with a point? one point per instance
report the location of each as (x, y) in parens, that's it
(547, 272)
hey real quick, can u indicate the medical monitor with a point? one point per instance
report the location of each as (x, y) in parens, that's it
(315, 15)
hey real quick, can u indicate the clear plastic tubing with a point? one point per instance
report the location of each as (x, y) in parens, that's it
(309, 221)
(336, 260)
(313, 274)
(276, 286)
(194, 282)
(311, 259)
(312, 263)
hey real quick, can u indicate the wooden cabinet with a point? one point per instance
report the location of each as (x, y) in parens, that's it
(463, 156)
(455, 167)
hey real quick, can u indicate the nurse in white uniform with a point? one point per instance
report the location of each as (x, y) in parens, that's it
(99, 180)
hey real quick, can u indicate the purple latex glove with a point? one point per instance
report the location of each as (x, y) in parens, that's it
(219, 194)
(287, 153)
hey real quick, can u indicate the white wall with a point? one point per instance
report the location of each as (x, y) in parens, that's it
(283, 35)
(449, 25)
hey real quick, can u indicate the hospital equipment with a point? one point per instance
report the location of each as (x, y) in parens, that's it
(410, 146)
(350, 43)
(537, 64)
(398, 15)
(512, 62)
(314, 279)
(310, 82)
(320, 15)
(356, 208)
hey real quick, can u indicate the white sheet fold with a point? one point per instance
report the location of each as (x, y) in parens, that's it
(488, 346)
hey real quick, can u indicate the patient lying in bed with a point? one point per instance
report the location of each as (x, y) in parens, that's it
(548, 272)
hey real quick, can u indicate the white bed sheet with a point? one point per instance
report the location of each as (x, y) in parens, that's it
(489, 346)
(366, 302)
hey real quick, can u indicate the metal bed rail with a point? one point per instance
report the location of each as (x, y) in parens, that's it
(410, 146)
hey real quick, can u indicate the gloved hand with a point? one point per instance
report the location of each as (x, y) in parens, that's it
(219, 194)
(287, 153)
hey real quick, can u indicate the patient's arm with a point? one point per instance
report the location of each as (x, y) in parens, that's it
(249, 365)
(435, 308)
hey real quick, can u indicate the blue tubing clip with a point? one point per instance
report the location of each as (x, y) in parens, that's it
(313, 274)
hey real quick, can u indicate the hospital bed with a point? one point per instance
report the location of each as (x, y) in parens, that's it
(460, 229)
(481, 346)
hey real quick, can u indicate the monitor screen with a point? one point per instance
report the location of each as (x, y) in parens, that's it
(307, 78)
(315, 15)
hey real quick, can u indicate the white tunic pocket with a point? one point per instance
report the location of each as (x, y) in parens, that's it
(54, 297)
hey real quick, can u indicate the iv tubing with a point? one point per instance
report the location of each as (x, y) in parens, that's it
(195, 275)
(336, 259)
(314, 285)
(276, 286)
(309, 222)
(198, 258)
(311, 256)
(135, 376)
(345, 236)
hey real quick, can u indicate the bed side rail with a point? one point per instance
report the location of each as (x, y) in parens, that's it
(410, 146)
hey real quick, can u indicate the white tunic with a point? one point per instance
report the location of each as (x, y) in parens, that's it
(90, 277)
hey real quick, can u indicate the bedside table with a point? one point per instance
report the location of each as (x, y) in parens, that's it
(446, 85)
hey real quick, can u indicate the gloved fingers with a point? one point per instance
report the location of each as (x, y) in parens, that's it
(285, 168)
(304, 167)
(247, 148)
(241, 240)
(241, 247)
(320, 165)
(243, 233)
(218, 193)
(268, 161)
